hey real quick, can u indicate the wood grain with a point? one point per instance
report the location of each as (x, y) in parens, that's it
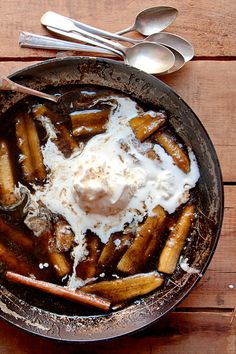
(180, 332)
(205, 322)
(208, 25)
(227, 241)
(213, 291)
(217, 288)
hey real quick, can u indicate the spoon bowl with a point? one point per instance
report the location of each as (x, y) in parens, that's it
(151, 59)
(179, 62)
(152, 20)
(173, 41)
(169, 40)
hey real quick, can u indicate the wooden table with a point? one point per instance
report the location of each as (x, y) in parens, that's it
(205, 322)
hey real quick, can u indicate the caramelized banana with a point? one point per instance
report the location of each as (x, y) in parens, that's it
(88, 267)
(124, 289)
(114, 250)
(134, 258)
(58, 260)
(174, 150)
(7, 183)
(64, 141)
(29, 146)
(64, 236)
(60, 263)
(89, 122)
(175, 242)
(147, 124)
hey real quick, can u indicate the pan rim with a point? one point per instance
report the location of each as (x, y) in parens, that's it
(21, 73)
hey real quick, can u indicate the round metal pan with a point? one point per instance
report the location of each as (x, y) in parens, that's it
(50, 317)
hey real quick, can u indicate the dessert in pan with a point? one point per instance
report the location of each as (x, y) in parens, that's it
(97, 194)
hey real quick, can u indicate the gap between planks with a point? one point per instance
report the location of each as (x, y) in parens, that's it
(26, 59)
(215, 58)
(36, 58)
(218, 310)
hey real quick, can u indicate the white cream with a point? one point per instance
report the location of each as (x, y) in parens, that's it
(111, 182)
(103, 186)
(183, 262)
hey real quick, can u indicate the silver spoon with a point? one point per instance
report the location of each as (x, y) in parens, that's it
(165, 38)
(36, 41)
(173, 41)
(147, 56)
(152, 20)
(53, 17)
(149, 21)
(31, 40)
(76, 36)
(6, 84)
(168, 39)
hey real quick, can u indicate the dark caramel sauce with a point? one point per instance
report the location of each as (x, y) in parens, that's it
(37, 262)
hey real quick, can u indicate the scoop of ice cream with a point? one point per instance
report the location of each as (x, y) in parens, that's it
(102, 190)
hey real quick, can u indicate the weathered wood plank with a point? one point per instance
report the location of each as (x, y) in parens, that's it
(210, 91)
(9, 67)
(209, 88)
(210, 26)
(224, 259)
(217, 288)
(179, 332)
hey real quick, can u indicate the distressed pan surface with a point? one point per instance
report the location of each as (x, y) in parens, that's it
(54, 318)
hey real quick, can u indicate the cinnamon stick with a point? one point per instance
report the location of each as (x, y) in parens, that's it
(72, 295)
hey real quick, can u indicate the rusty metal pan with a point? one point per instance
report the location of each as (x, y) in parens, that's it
(50, 317)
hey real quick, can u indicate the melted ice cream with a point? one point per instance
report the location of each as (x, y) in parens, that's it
(112, 182)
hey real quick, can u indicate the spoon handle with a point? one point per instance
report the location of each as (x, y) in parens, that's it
(6, 84)
(55, 21)
(126, 30)
(101, 32)
(31, 40)
(76, 36)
